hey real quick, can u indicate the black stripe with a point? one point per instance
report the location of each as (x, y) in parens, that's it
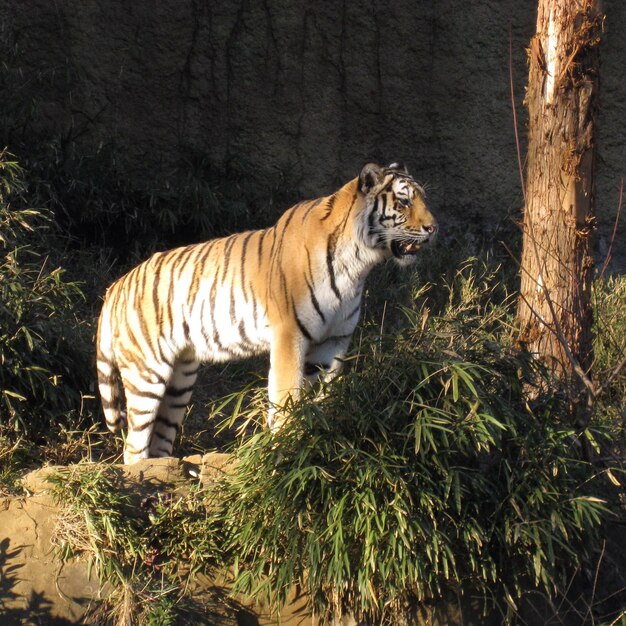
(168, 305)
(215, 336)
(155, 282)
(378, 237)
(198, 271)
(190, 373)
(331, 204)
(314, 301)
(108, 404)
(254, 310)
(283, 284)
(228, 248)
(141, 428)
(206, 251)
(144, 412)
(330, 249)
(185, 256)
(273, 230)
(233, 313)
(335, 338)
(217, 341)
(141, 392)
(243, 335)
(243, 265)
(163, 437)
(388, 183)
(113, 424)
(309, 263)
(313, 204)
(356, 310)
(176, 393)
(289, 218)
(139, 285)
(167, 422)
(346, 217)
(260, 250)
(301, 326)
(159, 379)
(206, 302)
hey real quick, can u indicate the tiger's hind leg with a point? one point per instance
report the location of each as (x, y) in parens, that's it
(144, 395)
(172, 409)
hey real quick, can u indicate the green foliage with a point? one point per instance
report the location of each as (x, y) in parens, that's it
(144, 547)
(182, 530)
(609, 297)
(43, 358)
(97, 523)
(421, 471)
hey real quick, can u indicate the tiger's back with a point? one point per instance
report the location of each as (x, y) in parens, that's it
(292, 290)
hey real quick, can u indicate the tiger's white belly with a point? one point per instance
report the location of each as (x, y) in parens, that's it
(228, 327)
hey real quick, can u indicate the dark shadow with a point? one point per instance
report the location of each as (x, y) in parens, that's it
(246, 618)
(36, 609)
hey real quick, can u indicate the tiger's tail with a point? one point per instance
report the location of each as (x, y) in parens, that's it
(109, 382)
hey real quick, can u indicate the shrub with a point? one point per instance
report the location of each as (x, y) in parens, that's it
(422, 471)
(143, 548)
(43, 362)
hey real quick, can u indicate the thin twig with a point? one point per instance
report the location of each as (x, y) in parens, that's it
(613, 375)
(595, 580)
(614, 233)
(515, 128)
(557, 330)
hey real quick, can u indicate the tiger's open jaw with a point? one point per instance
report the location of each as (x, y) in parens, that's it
(405, 249)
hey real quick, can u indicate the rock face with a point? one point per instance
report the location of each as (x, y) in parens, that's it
(298, 93)
(34, 586)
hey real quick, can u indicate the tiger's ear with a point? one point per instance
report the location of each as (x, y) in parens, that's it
(398, 166)
(370, 176)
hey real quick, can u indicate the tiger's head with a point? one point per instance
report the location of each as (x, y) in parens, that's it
(398, 220)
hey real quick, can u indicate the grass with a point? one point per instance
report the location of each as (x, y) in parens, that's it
(143, 548)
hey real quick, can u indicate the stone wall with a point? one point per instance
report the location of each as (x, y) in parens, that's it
(301, 94)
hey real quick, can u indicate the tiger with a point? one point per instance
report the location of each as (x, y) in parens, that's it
(292, 290)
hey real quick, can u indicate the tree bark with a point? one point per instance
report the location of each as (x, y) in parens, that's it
(554, 310)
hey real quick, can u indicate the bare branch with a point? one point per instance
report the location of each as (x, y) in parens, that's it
(614, 233)
(515, 126)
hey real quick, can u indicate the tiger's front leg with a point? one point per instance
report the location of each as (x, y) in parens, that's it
(324, 361)
(287, 351)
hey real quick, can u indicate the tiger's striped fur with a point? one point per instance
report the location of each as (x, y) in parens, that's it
(293, 290)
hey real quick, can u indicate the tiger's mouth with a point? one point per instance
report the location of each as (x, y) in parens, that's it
(402, 249)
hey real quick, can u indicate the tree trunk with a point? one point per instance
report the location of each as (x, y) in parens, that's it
(554, 309)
